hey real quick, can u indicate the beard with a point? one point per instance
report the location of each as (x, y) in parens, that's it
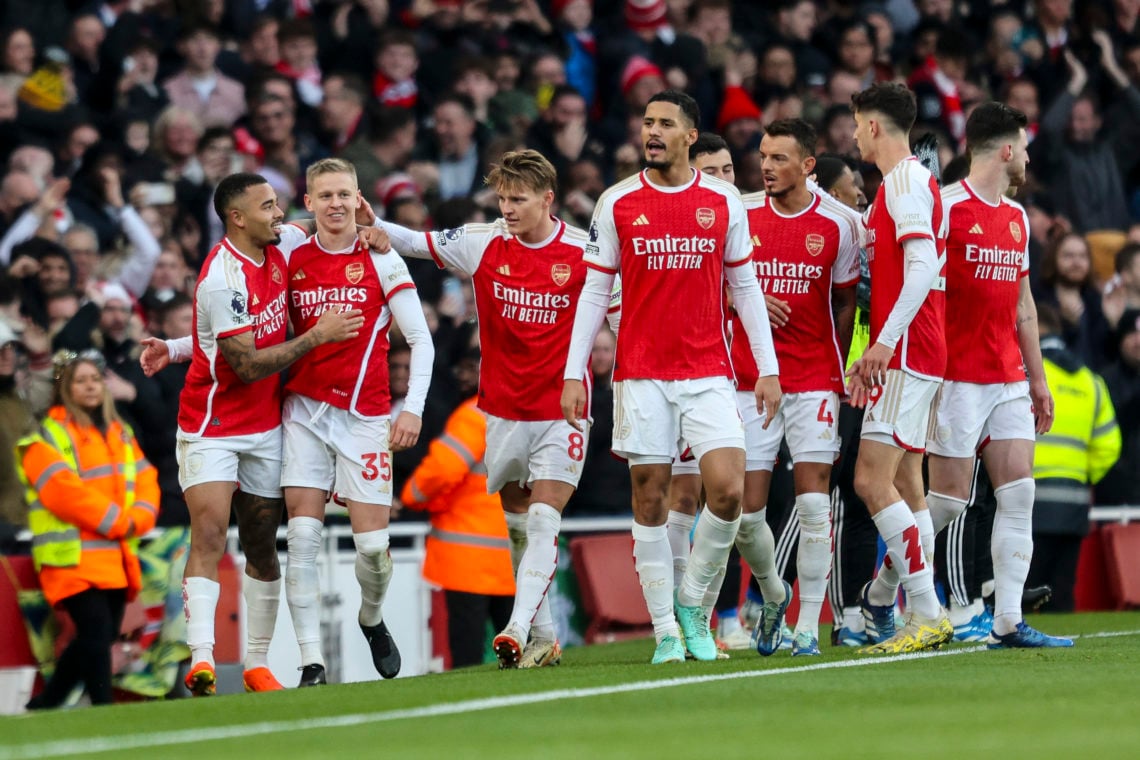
(660, 164)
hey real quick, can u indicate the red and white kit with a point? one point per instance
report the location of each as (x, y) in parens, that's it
(526, 296)
(799, 259)
(229, 430)
(336, 412)
(985, 395)
(674, 248)
(907, 206)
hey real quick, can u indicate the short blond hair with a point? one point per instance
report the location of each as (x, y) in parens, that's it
(330, 166)
(523, 168)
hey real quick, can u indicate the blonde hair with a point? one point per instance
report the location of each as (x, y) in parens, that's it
(74, 411)
(523, 168)
(330, 166)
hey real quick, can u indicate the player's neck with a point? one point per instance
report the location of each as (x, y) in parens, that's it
(989, 182)
(246, 246)
(794, 201)
(336, 241)
(674, 175)
(890, 154)
(541, 231)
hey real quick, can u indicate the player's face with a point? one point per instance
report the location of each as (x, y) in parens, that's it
(333, 199)
(524, 208)
(863, 136)
(666, 135)
(717, 164)
(1018, 160)
(256, 211)
(782, 164)
(848, 192)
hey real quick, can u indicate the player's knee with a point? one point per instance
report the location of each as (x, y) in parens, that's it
(208, 539)
(726, 499)
(867, 486)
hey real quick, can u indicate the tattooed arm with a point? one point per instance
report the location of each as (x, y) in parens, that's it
(252, 364)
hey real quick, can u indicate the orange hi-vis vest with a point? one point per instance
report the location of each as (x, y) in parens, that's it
(85, 504)
(468, 548)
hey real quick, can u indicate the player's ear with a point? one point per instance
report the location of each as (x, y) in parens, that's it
(809, 165)
(309, 202)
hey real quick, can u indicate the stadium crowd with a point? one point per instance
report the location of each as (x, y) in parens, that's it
(117, 126)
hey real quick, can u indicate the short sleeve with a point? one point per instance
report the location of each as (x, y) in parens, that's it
(228, 311)
(738, 241)
(462, 248)
(292, 237)
(910, 203)
(846, 269)
(393, 273)
(602, 249)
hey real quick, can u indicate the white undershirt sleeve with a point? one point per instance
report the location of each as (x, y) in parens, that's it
(406, 242)
(592, 307)
(138, 269)
(22, 229)
(922, 267)
(180, 349)
(750, 307)
(409, 316)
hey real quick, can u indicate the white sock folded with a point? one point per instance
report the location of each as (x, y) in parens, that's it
(200, 602)
(262, 598)
(373, 572)
(537, 566)
(653, 562)
(303, 586)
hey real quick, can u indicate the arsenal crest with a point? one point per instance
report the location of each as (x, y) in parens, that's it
(706, 217)
(814, 243)
(354, 272)
(276, 275)
(1015, 230)
(560, 273)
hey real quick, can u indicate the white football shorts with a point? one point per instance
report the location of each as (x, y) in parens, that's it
(523, 451)
(809, 420)
(252, 461)
(971, 415)
(652, 417)
(899, 411)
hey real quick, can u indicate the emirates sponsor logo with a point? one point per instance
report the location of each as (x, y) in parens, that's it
(706, 217)
(354, 272)
(560, 273)
(1015, 230)
(814, 244)
(671, 244)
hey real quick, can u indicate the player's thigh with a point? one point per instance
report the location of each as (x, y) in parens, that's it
(960, 419)
(908, 481)
(647, 424)
(515, 498)
(898, 411)
(875, 470)
(1009, 436)
(209, 506)
(259, 468)
(507, 456)
(811, 426)
(363, 458)
(950, 476)
(685, 489)
(722, 473)
(557, 454)
(708, 416)
(761, 446)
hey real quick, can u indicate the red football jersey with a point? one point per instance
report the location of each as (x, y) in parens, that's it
(234, 294)
(353, 374)
(908, 205)
(671, 246)
(799, 259)
(525, 296)
(987, 254)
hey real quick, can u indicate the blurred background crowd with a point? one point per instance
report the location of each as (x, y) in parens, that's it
(119, 117)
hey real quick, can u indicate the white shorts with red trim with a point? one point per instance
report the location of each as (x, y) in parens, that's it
(809, 421)
(251, 461)
(653, 417)
(334, 450)
(899, 411)
(971, 415)
(523, 452)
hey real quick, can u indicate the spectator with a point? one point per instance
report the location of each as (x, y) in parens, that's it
(278, 143)
(175, 320)
(1066, 284)
(342, 110)
(562, 132)
(575, 19)
(1073, 456)
(473, 79)
(69, 156)
(468, 552)
(456, 147)
(93, 492)
(795, 24)
(1123, 290)
(859, 56)
(18, 190)
(938, 85)
(1084, 153)
(138, 90)
(1122, 378)
(176, 135)
(17, 52)
(297, 41)
(386, 147)
(83, 40)
(396, 63)
(200, 87)
(16, 421)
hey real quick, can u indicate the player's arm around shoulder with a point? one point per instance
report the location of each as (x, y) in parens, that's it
(251, 363)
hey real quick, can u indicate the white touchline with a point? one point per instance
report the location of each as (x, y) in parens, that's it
(95, 745)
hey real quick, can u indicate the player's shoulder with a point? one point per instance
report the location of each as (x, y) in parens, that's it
(833, 209)
(1013, 205)
(717, 185)
(955, 194)
(758, 199)
(575, 236)
(223, 268)
(619, 190)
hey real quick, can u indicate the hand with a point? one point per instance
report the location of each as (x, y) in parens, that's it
(425, 174)
(872, 367)
(336, 326)
(405, 432)
(396, 509)
(857, 391)
(23, 266)
(573, 402)
(364, 214)
(570, 140)
(579, 203)
(36, 339)
(768, 396)
(1104, 42)
(1078, 74)
(1042, 406)
(778, 311)
(94, 294)
(120, 389)
(52, 198)
(376, 239)
(112, 186)
(155, 356)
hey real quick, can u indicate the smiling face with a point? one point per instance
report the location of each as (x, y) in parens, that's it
(257, 213)
(333, 198)
(666, 135)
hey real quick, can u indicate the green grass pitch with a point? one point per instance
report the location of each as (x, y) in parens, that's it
(607, 701)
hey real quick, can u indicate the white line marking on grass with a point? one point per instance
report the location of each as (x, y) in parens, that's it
(94, 745)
